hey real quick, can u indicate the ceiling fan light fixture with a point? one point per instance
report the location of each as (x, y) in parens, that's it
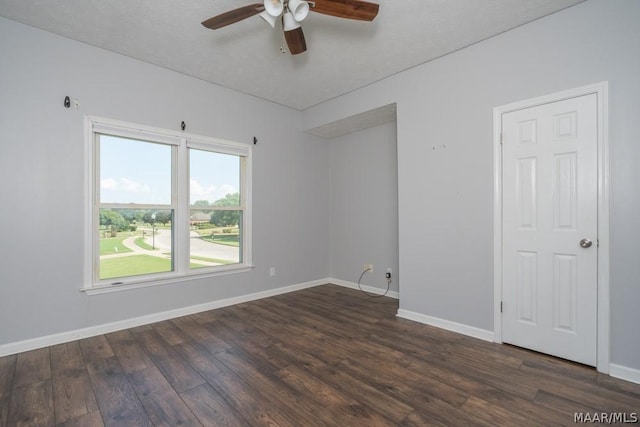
(270, 19)
(292, 12)
(299, 8)
(288, 22)
(274, 7)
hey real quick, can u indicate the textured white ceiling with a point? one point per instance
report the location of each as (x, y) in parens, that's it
(343, 55)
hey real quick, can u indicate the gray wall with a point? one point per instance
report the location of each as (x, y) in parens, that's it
(444, 151)
(445, 156)
(364, 206)
(41, 171)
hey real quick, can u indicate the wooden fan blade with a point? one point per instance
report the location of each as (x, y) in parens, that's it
(350, 9)
(295, 41)
(233, 16)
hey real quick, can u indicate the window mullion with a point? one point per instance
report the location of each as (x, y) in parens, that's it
(181, 202)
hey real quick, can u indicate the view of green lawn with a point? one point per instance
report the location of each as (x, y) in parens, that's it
(141, 243)
(132, 266)
(113, 245)
(222, 239)
(113, 265)
(136, 265)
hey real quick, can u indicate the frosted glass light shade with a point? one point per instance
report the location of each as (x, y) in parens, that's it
(299, 8)
(274, 7)
(288, 22)
(271, 20)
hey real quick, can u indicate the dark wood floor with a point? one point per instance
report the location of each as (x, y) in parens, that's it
(319, 357)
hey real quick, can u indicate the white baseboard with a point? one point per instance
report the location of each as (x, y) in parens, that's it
(617, 371)
(624, 373)
(369, 289)
(63, 337)
(459, 328)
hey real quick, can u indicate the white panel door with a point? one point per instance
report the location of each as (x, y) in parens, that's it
(549, 212)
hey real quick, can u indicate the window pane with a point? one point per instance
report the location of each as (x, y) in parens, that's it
(211, 244)
(214, 179)
(135, 242)
(215, 235)
(133, 171)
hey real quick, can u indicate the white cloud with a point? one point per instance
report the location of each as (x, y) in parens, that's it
(124, 185)
(209, 192)
(227, 189)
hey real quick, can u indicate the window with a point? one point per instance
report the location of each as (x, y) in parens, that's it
(164, 205)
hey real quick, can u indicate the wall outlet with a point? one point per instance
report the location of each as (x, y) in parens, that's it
(389, 270)
(272, 271)
(368, 267)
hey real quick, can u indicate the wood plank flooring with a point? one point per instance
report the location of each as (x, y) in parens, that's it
(325, 356)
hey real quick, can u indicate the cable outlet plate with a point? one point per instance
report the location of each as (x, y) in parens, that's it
(368, 267)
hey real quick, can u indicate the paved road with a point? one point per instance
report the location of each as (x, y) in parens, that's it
(198, 246)
(162, 242)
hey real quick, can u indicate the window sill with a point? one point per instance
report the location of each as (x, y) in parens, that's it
(166, 280)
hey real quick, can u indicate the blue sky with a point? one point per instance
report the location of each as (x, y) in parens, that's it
(140, 172)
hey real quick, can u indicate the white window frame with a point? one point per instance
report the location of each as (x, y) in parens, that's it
(181, 142)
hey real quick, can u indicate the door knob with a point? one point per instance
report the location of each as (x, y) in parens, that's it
(585, 243)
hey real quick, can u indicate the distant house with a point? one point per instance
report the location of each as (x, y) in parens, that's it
(200, 218)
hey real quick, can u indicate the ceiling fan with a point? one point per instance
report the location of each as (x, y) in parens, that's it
(292, 12)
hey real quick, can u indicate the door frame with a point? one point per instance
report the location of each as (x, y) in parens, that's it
(603, 311)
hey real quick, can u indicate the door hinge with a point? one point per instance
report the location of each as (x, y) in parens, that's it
(500, 139)
(501, 306)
